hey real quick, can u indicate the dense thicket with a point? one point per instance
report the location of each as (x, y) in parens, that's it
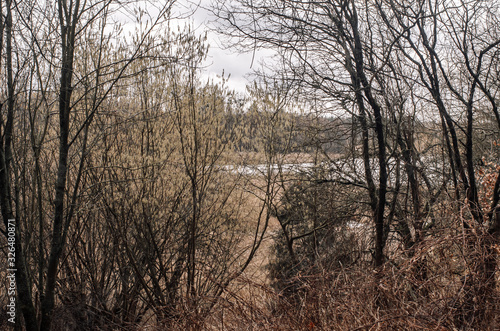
(359, 173)
(420, 83)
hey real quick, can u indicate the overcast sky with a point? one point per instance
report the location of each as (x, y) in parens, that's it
(195, 12)
(220, 59)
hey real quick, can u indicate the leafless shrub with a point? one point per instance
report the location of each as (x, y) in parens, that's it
(440, 287)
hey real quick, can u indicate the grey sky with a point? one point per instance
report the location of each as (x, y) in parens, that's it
(237, 65)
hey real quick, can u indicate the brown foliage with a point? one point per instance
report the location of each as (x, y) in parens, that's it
(430, 291)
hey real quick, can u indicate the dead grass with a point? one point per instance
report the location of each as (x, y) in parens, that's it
(435, 289)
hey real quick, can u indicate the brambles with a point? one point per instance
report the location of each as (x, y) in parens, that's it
(146, 196)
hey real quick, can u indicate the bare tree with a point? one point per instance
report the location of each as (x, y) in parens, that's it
(326, 47)
(75, 20)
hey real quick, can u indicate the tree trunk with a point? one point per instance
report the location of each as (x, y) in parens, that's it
(65, 90)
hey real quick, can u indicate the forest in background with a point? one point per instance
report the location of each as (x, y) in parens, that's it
(354, 186)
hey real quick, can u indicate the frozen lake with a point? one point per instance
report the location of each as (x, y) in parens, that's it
(347, 169)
